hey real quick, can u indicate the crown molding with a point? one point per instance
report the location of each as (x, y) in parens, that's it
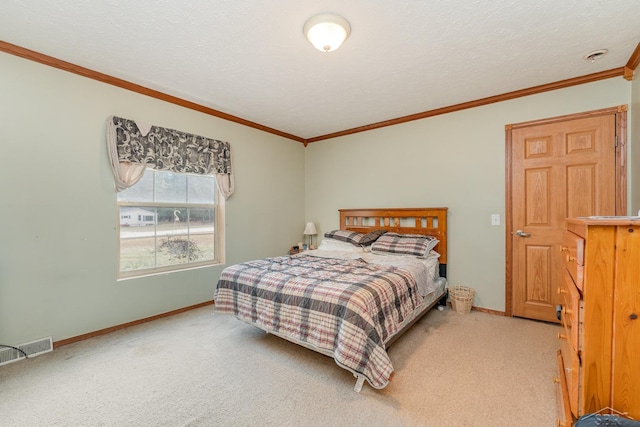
(105, 78)
(632, 64)
(626, 72)
(616, 72)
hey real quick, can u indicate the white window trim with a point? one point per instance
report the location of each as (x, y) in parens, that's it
(219, 236)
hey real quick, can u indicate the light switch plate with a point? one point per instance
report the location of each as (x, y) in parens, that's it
(495, 219)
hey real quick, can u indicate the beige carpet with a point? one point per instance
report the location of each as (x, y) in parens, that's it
(199, 369)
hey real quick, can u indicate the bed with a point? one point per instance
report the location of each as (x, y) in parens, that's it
(350, 299)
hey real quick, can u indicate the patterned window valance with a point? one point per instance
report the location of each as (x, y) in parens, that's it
(134, 146)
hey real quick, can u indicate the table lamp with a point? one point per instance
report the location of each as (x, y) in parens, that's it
(310, 230)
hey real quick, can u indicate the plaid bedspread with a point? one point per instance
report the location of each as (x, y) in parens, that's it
(346, 307)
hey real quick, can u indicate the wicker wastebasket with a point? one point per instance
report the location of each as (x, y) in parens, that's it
(461, 298)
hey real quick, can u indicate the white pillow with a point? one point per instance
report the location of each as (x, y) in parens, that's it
(433, 254)
(328, 244)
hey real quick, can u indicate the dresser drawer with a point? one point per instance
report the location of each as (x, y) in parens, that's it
(564, 408)
(571, 367)
(573, 250)
(570, 317)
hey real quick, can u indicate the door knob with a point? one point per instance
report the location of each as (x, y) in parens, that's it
(522, 233)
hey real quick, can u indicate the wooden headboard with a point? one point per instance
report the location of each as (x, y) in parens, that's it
(426, 221)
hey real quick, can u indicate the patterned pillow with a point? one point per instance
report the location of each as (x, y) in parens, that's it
(371, 237)
(346, 236)
(406, 244)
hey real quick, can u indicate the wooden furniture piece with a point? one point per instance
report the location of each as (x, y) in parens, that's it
(294, 250)
(315, 305)
(425, 221)
(599, 356)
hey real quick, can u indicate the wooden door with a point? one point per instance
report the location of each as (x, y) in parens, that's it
(559, 169)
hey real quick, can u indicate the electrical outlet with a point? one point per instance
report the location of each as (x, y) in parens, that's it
(495, 219)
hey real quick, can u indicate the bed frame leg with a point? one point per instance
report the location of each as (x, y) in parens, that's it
(443, 300)
(359, 383)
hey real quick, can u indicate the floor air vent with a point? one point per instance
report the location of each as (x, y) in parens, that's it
(32, 349)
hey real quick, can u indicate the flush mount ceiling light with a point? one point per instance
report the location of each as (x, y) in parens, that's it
(326, 32)
(596, 54)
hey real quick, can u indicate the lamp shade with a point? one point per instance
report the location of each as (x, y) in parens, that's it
(327, 32)
(310, 229)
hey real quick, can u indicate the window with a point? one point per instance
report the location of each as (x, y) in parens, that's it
(168, 221)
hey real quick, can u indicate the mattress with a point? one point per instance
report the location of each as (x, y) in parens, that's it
(347, 305)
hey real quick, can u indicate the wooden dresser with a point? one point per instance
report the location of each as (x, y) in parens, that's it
(599, 356)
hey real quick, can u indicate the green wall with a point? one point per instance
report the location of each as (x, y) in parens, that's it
(58, 238)
(455, 160)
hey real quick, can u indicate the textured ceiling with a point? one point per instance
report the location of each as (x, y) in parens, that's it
(249, 58)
